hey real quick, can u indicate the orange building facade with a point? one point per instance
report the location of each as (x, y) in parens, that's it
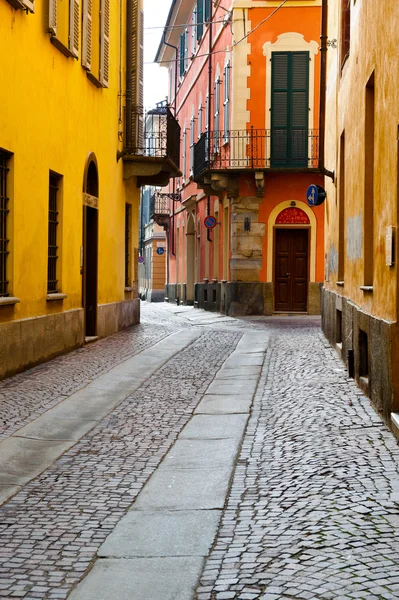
(244, 81)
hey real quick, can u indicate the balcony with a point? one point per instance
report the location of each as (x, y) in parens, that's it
(160, 208)
(256, 149)
(152, 145)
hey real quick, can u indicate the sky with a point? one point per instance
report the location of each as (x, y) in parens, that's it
(155, 77)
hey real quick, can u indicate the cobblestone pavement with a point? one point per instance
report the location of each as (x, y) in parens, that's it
(26, 396)
(313, 509)
(51, 530)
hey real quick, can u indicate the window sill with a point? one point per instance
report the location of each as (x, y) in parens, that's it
(340, 283)
(60, 46)
(55, 296)
(367, 288)
(94, 80)
(128, 289)
(8, 300)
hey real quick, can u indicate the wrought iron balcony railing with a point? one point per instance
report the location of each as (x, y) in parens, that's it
(159, 205)
(154, 133)
(256, 149)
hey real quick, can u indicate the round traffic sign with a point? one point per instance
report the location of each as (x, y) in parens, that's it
(141, 259)
(210, 222)
(160, 251)
(315, 195)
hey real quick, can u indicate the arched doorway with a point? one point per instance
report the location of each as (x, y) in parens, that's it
(292, 229)
(90, 245)
(190, 264)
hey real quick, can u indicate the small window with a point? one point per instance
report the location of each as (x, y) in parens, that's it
(338, 327)
(345, 30)
(363, 354)
(53, 235)
(128, 240)
(4, 210)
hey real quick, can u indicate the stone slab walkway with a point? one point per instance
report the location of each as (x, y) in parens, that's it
(208, 459)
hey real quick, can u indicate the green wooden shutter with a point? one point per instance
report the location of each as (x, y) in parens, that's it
(290, 109)
(200, 19)
(207, 10)
(182, 57)
(299, 118)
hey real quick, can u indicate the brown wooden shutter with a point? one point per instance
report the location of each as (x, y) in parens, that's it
(52, 21)
(87, 34)
(74, 20)
(104, 45)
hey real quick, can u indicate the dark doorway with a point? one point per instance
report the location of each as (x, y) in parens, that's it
(291, 270)
(90, 249)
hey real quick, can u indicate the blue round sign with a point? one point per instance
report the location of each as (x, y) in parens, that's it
(160, 251)
(141, 259)
(210, 222)
(315, 195)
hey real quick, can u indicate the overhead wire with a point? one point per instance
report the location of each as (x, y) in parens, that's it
(225, 50)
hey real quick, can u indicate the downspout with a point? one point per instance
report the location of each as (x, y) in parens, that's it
(172, 228)
(323, 81)
(129, 72)
(208, 233)
(210, 79)
(176, 49)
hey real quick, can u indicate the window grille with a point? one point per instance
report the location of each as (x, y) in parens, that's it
(3, 224)
(52, 280)
(128, 222)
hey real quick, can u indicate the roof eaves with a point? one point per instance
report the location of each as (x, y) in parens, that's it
(161, 43)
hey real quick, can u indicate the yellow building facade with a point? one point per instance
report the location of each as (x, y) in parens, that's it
(360, 304)
(71, 159)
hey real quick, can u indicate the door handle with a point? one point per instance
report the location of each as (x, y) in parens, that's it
(288, 275)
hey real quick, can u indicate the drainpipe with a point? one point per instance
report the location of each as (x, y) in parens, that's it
(176, 49)
(129, 70)
(323, 80)
(210, 79)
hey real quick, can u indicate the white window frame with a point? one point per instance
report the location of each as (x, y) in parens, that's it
(226, 103)
(192, 143)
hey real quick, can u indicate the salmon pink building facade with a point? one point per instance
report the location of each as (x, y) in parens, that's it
(244, 82)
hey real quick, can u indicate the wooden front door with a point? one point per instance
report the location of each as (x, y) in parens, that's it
(291, 270)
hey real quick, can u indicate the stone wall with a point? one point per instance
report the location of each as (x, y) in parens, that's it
(28, 342)
(351, 330)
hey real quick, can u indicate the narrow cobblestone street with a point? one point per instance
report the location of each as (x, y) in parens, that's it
(197, 456)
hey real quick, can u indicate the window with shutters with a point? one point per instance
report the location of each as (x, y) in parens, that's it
(53, 234)
(64, 26)
(183, 53)
(226, 103)
(345, 30)
(192, 132)
(289, 109)
(200, 111)
(4, 211)
(193, 32)
(216, 122)
(184, 153)
(200, 19)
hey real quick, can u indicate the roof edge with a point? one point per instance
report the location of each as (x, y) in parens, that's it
(161, 43)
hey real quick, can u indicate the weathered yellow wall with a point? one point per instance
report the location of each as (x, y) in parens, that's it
(52, 117)
(373, 47)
